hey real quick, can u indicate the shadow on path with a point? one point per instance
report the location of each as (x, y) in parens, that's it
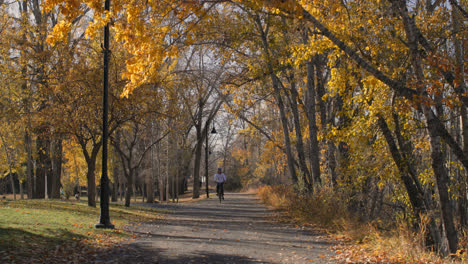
(237, 230)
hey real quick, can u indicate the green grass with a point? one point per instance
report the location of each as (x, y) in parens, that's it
(46, 231)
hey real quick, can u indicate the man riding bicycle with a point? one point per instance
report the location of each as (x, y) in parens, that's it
(220, 178)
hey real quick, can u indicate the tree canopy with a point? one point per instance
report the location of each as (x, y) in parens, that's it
(363, 99)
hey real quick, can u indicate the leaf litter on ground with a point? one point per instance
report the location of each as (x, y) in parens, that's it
(54, 231)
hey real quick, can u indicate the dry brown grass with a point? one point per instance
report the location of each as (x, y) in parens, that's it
(360, 242)
(321, 209)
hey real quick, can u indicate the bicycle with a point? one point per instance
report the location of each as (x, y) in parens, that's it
(220, 191)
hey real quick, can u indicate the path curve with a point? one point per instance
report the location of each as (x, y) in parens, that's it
(239, 230)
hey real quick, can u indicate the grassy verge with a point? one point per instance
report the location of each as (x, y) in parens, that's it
(360, 242)
(54, 231)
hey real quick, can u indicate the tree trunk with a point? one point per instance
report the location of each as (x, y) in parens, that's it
(415, 193)
(129, 187)
(279, 101)
(115, 176)
(150, 176)
(459, 72)
(167, 180)
(308, 181)
(442, 181)
(150, 188)
(56, 156)
(438, 160)
(43, 164)
(91, 173)
(197, 162)
(287, 140)
(27, 106)
(313, 131)
(460, 77)
(98, 193)
(10, 171)
(12, 180)
(21, 190)
(207, 154)
(463, 204)
(135, 191)
(160, 175)
(332, 162)
(115, 186)
(29, 163)
(121, 189)
(177, 176)
(91, 182)
(325, 110)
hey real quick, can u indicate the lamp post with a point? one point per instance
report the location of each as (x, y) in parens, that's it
(104, 219)
(207, 153)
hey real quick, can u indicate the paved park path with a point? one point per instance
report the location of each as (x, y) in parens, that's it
(239, 230)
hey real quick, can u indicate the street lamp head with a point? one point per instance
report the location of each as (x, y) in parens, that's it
(213, 131)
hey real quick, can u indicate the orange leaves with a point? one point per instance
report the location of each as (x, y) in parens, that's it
(382, 253)
(142, 26)
(68, 8)
(59, 33)
(288, 6)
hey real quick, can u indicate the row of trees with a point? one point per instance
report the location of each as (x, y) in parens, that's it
(51, 111)
(369, 100)
(365, 99)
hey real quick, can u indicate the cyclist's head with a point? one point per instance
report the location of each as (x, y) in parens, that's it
(220, 170)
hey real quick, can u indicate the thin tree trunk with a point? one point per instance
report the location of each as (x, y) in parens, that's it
(320, 65)
(115, 176)
(460, 77)
(135, 191)
(168, 182)
(129, 188)
(308, 181)
(442, 181)
(207, 154)
(129, 175)
(313, 131)
(197, 162)
(29, 162)
(279, 101)
(160, 175)
(57, 151)
(46, 186)
(27, 105)
(9, 160)
(43, 163)
(150, 176)
(121, 189)
(437, 155)
(332, 162)
(415, 193)
(115, 187)
(177, 176)
(287, 140)
(150, 186)
(21, 190)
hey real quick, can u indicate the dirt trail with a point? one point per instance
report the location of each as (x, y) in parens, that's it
(235, 231)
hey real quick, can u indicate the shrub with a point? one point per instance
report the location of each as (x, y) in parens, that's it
(324, 208)
(370, 242)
